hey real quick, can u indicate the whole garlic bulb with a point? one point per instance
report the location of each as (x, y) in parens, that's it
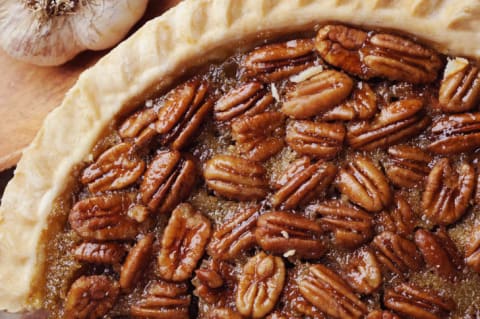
(51, 32)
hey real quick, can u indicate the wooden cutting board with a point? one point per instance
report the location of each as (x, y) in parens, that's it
(28, 93)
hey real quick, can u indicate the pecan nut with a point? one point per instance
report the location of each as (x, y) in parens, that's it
(99, 253)
(399, 218)
(137, 259)
(260, 136)
(350, 225)
(397, 58)
(330, 293)
(460, 88)
(456, 133)
(182, 113)
(373, 54)
(407, 165)
(215, 284)
(361, 106)
(163, 300)
(235, 235)
(296, 307)
(439, 252)
(91, 297)
(302, 182)
(104, 218)
(364, 184)
(448, 192)
(116, 168)
(207, 283)
(303, 309)
(260, 285)
(363, 272)
(139, 127)
(472, 252)
(412, 302)
(378, 314)
(236, 178)
(396, 253)
(273, 62)
(167, 181)
(339, 45)
(248, 99)
(398, 121)
(183, 243)
(287, 233)
(316, 139)
(317, 95)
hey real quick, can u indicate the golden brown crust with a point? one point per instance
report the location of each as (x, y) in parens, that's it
(194, 32)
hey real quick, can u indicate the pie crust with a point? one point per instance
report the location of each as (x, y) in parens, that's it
(194, 32)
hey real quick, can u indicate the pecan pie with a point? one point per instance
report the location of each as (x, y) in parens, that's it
(260, 159)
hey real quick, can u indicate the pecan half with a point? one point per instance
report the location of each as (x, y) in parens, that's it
(182, 113)
(303, 309)
(448, 192)
(340, 46)
(282, 232)
(207, 283)
(303, 182)
(350, 225)
(439, 252)
(472, 252)
(139, 127)
(361, 106)
(397, 121)
(364, 184)
(362, 271)
(330, 293)
(90, 297)
(183, 243)
(163, 300)
(248, 99)
(412, 302)
(135, 262)
(295, 305)
(167, 181)
(116, 168)
(236, 178)
(99, 253)
(397, 58)
(407, 165)
(235, 235)
(460, 88)
(317, 95)
(373, 54)
(396, 253)
(398, 218)
(456, 133)
(277, 61)
(260, 285)
(379, 314)
(316, 139)
(104, 218)
(260, 136)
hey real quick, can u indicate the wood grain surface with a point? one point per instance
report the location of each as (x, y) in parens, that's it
(28, 93)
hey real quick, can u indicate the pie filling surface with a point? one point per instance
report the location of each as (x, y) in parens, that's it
(331, 174)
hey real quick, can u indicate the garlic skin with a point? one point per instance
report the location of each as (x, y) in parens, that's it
(93, 25)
